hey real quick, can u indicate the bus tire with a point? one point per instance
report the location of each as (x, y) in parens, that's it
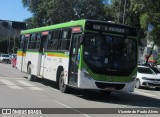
(138, 86)
(62, 85)
(30, 76)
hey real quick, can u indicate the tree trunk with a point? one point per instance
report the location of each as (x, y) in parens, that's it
(149, 54)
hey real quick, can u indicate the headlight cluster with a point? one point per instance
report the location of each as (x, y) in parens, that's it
(86, 74)
(145, 78)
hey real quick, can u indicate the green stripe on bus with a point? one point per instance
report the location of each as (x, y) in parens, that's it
(57, 26)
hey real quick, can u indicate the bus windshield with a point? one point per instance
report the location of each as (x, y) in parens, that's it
(111, 55)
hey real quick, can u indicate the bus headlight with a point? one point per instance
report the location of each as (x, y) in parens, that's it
(144, 78)
(86, 74)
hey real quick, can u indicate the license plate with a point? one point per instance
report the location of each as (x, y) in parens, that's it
(109, 88)
(155, 82)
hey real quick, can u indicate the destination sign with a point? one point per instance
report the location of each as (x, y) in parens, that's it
(111, 28)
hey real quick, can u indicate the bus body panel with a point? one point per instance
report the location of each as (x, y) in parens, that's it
(32, 58)
(24, 64)
(19, 60)
(52, 62)
(50, 68)
(41, 64)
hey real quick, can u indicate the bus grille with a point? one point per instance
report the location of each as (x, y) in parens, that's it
(105, 85)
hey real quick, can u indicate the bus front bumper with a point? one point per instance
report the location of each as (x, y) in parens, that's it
(90, 83)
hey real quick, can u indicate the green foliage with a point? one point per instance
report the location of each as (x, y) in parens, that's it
(109, 14)
(32, 5)
(149, 14)
(46, 12)
(144, 20)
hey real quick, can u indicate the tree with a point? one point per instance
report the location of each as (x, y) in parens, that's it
(46, 12)
(57, 11)
(38, 14)
(109, 13)
(88, 9)
(29, 22)
(123, 11)
(149, 14)
(32, 5)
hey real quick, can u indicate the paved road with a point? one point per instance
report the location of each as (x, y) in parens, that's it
(18, 92)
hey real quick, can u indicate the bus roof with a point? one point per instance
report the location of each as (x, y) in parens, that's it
(69, 24)
(56, 26)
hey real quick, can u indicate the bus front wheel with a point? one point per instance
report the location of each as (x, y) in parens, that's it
(62, 85)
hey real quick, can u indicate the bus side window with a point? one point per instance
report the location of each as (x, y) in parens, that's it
(56, 39)
(32, 42)
(38, 41)
(50, 43)
(65, 39)
(25, 45)
(43, 41)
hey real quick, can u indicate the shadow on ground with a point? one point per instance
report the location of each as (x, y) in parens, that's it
(121, 98)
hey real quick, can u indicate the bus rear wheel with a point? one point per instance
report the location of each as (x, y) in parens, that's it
(30, 76)
(62, 85)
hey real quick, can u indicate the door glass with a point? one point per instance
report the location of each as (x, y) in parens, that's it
(74, 61)
(43, 44)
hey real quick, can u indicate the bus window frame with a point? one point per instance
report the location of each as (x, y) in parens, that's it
(26, 42)
(49, 40)
(34, 41)
(37, 38)
(41, 49)
(68, 39)
(53, 32)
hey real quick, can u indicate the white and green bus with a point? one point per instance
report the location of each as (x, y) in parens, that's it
(85, 54)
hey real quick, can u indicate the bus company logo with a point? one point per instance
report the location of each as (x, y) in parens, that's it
(110, 79)
(6, 111)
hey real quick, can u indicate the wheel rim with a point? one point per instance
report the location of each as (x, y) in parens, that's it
(62, 81)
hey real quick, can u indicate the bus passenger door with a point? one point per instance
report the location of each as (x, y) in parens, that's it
(74, 60)
(42, 53)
